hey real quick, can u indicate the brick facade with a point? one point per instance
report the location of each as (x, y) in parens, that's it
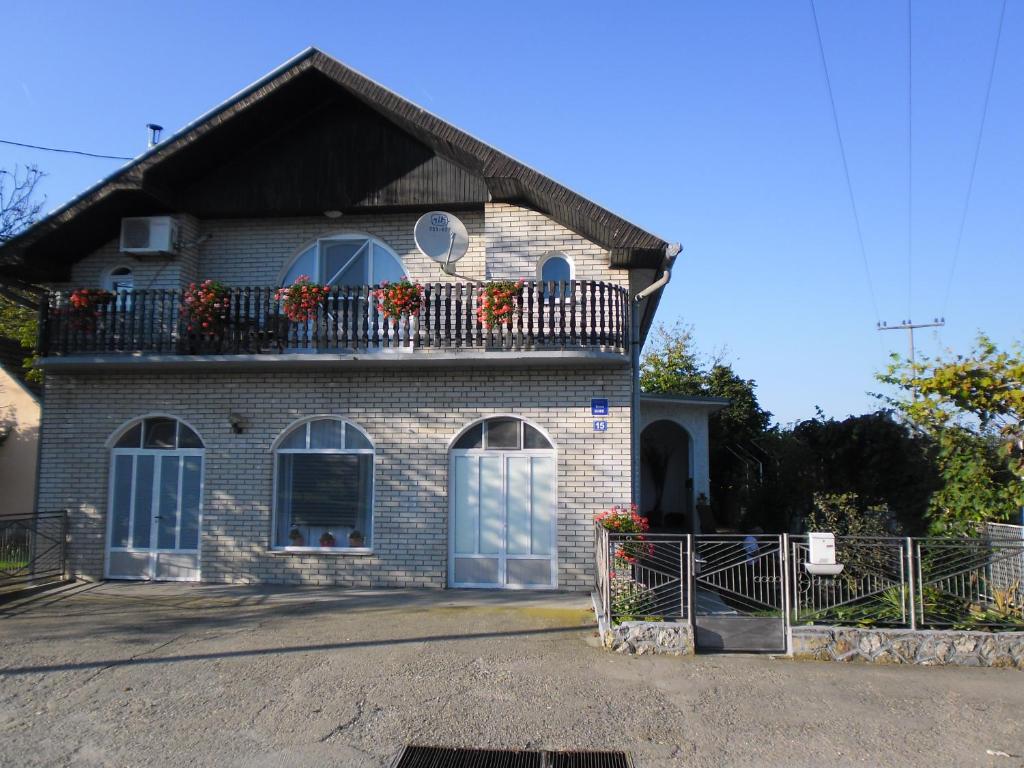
(506, 242)
(411, 417)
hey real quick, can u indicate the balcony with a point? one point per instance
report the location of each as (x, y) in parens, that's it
(576, 319)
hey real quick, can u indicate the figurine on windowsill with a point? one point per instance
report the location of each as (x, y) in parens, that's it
(327, 539)
(355, 539)
(296, 538)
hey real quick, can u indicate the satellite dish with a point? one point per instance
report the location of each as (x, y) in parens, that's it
(441, 236)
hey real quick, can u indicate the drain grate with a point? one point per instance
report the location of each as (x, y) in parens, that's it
(445, 757)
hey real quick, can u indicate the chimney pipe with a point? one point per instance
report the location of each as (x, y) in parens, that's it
(154, 134)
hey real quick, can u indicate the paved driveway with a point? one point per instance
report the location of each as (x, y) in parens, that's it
(159, 675)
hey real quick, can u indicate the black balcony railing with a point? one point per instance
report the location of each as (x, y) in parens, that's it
(576, 314)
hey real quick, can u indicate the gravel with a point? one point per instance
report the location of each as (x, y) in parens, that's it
(186, 675)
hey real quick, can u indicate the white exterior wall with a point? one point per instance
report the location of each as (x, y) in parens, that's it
(411, 417)
(19, 413)
(506, 242)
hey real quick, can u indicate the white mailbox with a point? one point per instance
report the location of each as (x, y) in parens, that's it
(821, 560)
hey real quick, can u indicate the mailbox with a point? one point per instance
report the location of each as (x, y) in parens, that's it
(821, 560)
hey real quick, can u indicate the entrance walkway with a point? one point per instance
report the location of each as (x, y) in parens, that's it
(170, 675)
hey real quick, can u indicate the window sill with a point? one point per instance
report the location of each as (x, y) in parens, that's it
(333, 551)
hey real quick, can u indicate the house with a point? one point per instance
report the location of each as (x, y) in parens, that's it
(19, 432)
(227, 432)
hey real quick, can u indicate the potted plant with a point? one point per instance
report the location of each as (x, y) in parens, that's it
(327, 539)
(704, 515)
(355, 539)
(497, 304)
(205, 308)
(84, 307)
(296, 538)
(400, 300)
(301, 299)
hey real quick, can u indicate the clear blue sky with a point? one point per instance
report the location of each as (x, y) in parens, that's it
(705, 122)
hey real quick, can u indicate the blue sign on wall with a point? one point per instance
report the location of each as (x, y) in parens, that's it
(601, 426)
(599, 407)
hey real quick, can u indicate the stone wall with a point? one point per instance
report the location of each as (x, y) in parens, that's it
(906, 646)
(640, 638)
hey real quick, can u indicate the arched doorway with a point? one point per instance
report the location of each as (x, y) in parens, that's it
(502, 491)
(666, 477)
(154, 519)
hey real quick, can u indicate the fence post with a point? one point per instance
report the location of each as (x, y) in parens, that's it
(910, 576)
(689, 582)
(785, 581)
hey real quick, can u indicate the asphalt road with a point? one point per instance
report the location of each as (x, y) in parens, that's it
(163, 675)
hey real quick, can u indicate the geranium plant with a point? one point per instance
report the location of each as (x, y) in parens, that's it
(87, 299)
(205, 306)
(498, 303)
(626, 520)
(84, 306)
(401, 299)
(302, 298)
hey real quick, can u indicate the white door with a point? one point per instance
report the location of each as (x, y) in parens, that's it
(503, 519)
(155, 513)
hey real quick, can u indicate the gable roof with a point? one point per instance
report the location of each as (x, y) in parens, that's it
(161, 179)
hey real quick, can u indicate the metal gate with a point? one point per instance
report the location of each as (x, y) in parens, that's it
(739, 593)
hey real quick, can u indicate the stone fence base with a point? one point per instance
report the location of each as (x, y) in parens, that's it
(639, 638)
(907, 646)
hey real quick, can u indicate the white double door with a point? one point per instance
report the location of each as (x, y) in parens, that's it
(502, 531)
(155, 515)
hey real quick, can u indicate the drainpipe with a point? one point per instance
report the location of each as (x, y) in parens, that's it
(634, 331)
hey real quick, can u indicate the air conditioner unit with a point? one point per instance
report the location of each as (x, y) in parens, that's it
(149, 235)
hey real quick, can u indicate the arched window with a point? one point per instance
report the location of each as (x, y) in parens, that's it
(155, 501)
(119, 279)
(348, 259)
(503, 433)
(554, 267)
(323, 475)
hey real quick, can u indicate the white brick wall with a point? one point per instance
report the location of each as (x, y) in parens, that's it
(506, 242)
(410, 416)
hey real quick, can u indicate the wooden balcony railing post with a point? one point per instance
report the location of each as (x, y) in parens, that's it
(548, 314)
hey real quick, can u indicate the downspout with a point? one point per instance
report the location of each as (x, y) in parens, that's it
(671, 252)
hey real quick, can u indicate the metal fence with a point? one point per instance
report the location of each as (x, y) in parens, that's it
(641, 576)
(32, 549)
(959, 582)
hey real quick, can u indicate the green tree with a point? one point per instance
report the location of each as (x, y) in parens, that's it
(972, 406)
(871, 461)
(19, 208)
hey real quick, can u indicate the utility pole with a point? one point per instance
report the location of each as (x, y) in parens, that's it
(907, 325)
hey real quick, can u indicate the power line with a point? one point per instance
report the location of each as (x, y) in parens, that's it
(974, 161)
(846, 167)
(910, 159)
(64, 151)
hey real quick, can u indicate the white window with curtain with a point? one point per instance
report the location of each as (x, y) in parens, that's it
(323, 479)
